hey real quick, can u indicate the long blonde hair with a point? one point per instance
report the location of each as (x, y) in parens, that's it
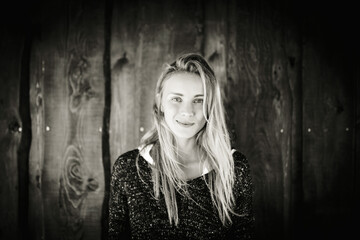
(212, 140)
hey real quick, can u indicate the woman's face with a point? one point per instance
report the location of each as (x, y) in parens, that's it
(182, 104)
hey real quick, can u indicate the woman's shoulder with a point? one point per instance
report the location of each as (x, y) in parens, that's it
(241, 163)
(239, 158)
(242, 169)
(126, 160)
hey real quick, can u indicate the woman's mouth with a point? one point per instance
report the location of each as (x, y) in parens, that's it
(185, 124)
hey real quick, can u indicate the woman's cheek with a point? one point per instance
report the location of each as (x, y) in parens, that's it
(170, 108)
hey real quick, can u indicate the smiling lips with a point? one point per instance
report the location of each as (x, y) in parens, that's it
(185, 124)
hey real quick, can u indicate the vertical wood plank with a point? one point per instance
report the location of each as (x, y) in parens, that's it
(215, 37)
(357, 138)
(11, 48)
(125, 104)
(293, 164)
(232, 68)
(36, 162)
(145, 36)
(67, 84)
(261, 88)
(328, 133)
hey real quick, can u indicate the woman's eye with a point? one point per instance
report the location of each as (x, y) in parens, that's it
(176, 99)
(199, 100)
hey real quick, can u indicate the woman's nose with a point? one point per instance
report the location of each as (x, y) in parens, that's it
(187, 114)
(187, 110)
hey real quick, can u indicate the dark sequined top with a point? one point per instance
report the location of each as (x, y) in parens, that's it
(136, 214)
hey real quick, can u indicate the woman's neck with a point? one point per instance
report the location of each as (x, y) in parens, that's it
(187, 150)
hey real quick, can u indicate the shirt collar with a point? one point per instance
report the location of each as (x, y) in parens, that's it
(145, 153)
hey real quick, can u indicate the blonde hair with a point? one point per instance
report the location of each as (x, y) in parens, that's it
(212, 140)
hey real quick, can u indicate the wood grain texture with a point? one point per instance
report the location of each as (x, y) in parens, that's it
(293, 171)
(328, 149)
(145, 36)
(215, 38)
(125, 107)
(67, 113)
(36, 162)
(11, 48)
(260, 102)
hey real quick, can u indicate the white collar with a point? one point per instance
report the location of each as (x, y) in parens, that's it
(145, 153)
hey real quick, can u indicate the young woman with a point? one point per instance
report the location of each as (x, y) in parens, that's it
(184, 181)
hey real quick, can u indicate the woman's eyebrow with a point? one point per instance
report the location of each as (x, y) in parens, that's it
(174, 93)
(180, 94)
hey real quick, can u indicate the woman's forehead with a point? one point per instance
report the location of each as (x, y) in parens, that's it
(184, 83)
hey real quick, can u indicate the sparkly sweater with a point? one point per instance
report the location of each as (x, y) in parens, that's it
(135, 214)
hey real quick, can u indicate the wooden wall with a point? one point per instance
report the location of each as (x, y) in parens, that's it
(329, 127)
(11, 131)
(77, 85)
